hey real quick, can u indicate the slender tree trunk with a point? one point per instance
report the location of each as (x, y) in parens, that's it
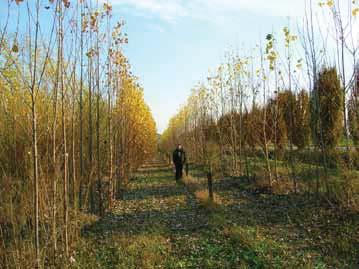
(64, 139)
(36, 176)
(55, 168)
(291, 119)
(73, 154)
(33, 92)
(99, 181)
(264, 129)
(346, 125)
(90, 185)
(81, 109)
(109, 113)
(241, 132)
(54, 129)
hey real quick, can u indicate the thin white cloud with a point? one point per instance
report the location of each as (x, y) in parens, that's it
(172, 10)
(221, 11)
(155, 27)
(166, 10)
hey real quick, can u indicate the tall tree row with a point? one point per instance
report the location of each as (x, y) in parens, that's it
(282, 110)
(74, 125)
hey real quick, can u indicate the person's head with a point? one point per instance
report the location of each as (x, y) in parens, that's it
(179, 146)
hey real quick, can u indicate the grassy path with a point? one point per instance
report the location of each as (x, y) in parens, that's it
(150, 227)
(160, 224)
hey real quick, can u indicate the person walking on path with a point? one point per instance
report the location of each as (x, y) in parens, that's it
(179, 159)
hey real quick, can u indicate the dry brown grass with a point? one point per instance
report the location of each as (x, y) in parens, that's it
(198, 187)
(203, 198)
(193, 184)
(283, 185)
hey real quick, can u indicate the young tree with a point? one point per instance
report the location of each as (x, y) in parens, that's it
(279, 111)
(301, 128)
(353, 108)
(327, 115)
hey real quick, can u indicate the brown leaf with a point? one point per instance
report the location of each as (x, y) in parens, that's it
(66, 3)
(15, 48)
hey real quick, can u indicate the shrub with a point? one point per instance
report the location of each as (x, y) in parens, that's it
(326, 110)
(353, 113)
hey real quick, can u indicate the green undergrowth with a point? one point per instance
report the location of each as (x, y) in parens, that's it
(143, 251)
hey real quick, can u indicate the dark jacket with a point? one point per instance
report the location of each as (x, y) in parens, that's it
(179, 157)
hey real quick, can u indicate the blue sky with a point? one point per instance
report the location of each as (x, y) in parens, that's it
(174, 43)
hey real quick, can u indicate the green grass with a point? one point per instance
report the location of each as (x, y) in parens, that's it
(161, 224)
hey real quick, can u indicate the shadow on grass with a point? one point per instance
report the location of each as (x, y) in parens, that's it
(153, 192)
(301, 221)
(153, 221)
(155, 169)
(182, 219)
(305, 221)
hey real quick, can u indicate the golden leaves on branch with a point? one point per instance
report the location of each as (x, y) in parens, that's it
(270, 51)
(107, 8)
(91, 53)
(240, 64)
(328, 3)
(288, 36)
(84, 24)
(94, 21)
(299, 64)
(117, 35)
(118, 58)
(331, 4)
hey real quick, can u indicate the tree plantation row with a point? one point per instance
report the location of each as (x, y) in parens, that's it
(75, 128)
(285, 115)
(74, 125)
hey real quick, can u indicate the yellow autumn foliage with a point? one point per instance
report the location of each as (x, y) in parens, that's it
(134, 124)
